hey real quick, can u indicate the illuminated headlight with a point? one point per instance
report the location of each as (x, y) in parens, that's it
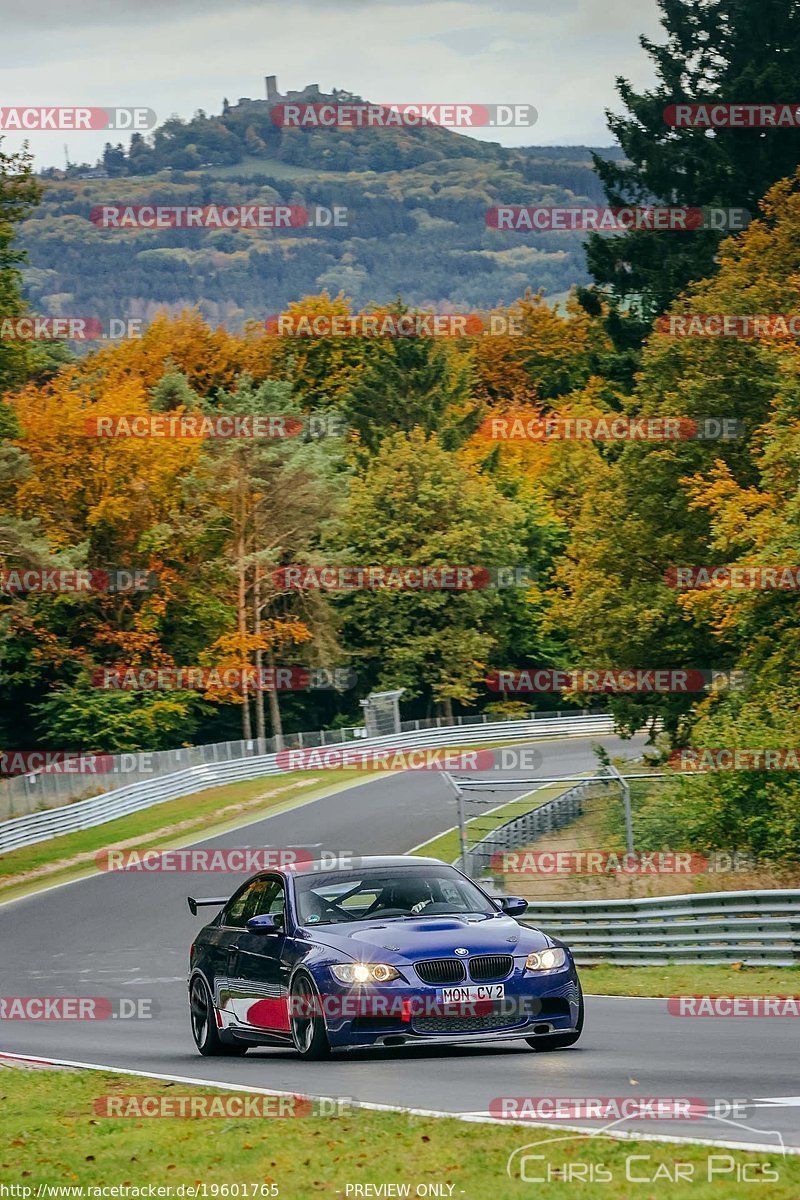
(546, 960)
(365, 973)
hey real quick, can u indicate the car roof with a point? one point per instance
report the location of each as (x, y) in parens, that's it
(361, 862)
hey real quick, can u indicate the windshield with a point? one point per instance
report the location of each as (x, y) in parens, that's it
(386, 894)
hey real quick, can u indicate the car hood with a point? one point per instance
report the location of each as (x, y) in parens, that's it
(428, 937)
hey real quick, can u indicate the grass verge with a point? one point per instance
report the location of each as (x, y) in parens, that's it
(692, 979)
(51, 1133)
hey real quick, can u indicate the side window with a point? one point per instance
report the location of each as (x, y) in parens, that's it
(262, 896)
(234, 914)
(271, 899)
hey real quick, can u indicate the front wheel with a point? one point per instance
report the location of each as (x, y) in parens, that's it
(308, 1024)
(204, 1027)
(559, 1041)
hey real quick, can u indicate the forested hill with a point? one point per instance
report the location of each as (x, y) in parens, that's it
(416, 201)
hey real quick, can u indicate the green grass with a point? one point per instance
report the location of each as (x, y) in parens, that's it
(691, 979)
(51, 1133)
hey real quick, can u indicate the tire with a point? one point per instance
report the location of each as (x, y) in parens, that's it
(204, 1027)
(309, 1034)
(559, 1041)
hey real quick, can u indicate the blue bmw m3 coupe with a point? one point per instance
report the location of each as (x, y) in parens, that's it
(383, 952)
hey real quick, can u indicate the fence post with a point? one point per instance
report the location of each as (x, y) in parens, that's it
(626, 801)
(462, 829)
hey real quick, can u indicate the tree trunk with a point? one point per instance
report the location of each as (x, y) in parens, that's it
(261, 732)
(275, 709)
(247, 728)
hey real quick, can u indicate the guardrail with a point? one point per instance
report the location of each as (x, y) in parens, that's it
(38, 789)
(757, 928)
(85, 814)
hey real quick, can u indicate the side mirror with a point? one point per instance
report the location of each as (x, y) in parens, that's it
(514, 906)
(266, 923)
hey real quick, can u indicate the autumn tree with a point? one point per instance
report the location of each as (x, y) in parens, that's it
(259, 503)
(614, 599)
(417, 504)
(538, 353)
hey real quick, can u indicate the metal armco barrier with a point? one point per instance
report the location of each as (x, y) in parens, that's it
(85, 814)
(38, 789)
(759, 928)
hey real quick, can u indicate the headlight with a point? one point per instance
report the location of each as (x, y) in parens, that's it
(364, 972)
(546, 960)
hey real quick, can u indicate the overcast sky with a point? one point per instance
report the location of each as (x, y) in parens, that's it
(176, 56)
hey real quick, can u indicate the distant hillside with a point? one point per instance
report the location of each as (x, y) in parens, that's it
(416, 201)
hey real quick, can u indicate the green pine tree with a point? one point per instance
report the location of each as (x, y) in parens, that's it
(728, 51)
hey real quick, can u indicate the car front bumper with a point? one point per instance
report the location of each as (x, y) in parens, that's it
(402, 1013)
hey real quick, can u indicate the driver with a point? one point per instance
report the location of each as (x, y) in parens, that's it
(412, 895)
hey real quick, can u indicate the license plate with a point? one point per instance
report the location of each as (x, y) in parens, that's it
(469, 995)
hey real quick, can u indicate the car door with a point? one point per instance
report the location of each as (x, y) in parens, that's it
(257, 970)
(218, 937)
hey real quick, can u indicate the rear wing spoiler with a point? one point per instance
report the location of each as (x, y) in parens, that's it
(205, 902)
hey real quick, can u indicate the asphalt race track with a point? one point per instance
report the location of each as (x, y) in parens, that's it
(128, 935)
